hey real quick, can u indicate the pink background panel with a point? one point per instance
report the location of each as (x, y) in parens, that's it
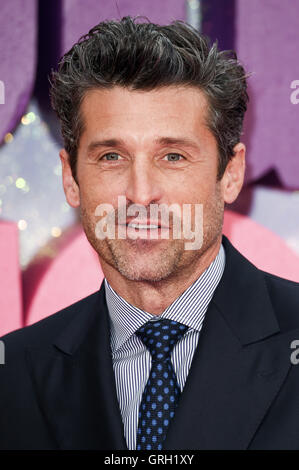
(52, 284)
(10, 279)
(262, 247)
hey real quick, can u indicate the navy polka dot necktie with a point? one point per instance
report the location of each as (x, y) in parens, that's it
(161, 392)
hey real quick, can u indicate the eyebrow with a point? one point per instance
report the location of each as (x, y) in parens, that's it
(161, 141)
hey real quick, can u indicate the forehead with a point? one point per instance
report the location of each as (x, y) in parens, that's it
(180, 109)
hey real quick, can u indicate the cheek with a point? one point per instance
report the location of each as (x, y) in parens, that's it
(99, 194)
(195, 190)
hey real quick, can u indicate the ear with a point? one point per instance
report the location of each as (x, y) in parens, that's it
(233, 177)
(71, 188)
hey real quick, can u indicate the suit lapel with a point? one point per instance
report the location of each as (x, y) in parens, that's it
(238, 367)
(75, 385)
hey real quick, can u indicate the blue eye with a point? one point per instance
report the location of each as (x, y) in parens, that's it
(110, 157)
(175, 157)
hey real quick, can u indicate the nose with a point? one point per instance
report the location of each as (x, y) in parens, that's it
(144, 185)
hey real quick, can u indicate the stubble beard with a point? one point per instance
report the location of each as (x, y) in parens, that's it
(154, 261)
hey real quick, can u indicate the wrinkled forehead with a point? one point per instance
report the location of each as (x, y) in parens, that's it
(173, 111)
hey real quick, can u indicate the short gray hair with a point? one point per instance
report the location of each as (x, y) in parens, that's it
(146, 56)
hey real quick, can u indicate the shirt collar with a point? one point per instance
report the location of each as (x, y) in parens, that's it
(189, 308)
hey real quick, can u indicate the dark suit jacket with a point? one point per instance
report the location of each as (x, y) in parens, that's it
(57, 388)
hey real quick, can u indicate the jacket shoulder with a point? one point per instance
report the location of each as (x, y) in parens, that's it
(284, 295)
(280, 280)
(45, 330)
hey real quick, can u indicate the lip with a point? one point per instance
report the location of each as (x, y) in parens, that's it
(150, 233)
(145, 222)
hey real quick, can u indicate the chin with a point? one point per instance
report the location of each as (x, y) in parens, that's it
(145, 275)
(146, 261)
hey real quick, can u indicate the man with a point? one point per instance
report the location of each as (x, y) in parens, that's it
(184, 346)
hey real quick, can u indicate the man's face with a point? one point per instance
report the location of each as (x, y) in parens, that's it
(151, 147)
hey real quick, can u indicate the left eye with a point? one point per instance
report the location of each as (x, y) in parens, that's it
(173, 157)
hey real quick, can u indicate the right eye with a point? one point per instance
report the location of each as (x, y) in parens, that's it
(111, 156)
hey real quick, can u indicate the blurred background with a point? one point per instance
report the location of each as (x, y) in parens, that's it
(46, 262)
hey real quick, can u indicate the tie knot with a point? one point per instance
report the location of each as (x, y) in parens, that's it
(161, 336)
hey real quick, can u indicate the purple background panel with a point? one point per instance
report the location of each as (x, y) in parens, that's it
(18, 27)
(267, 43)
(79, 17)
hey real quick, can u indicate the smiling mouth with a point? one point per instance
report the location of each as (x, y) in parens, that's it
(145, 230)
(143, 226)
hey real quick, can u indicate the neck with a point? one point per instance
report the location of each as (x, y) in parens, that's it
(155, 297)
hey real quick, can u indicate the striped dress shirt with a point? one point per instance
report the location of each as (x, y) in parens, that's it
(132, 360)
